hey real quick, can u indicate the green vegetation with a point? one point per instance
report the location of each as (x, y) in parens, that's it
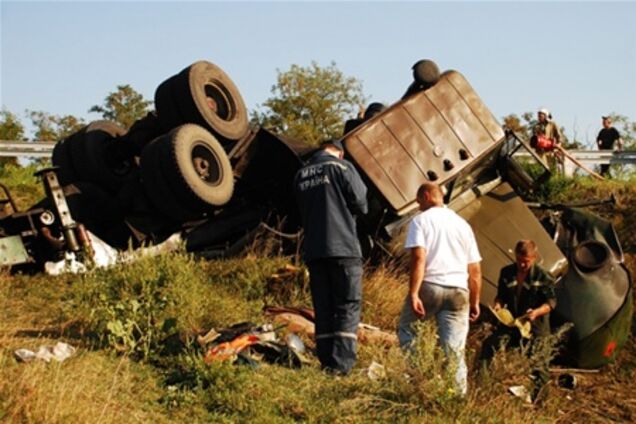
(124, 106)
(133, 374)
(311, 103)
(135, 326)
(25, 187)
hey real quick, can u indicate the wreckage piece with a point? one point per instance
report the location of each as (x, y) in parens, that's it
(250, 343)
(205, 95)
(499, 219)
(596, 293)
(446, 135)
(433, 135)
(298, 322)
(264, 166)
(45, 231)
(60, 352)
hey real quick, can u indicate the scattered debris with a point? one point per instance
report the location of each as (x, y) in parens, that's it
(60, 352)
(105, 255)
(376, 371)
(567, 381)
(300, 320)
(521, 392)
(251, 344)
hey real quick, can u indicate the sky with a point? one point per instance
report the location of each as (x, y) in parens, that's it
(578, 59)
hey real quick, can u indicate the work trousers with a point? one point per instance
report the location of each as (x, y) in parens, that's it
(336, 292)
(605, 167)
(450, 308)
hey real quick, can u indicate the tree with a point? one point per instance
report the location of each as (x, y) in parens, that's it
(513, 122)
(311, 103)
(627, 130)
(11, 129)
(52, 127)
(123, 106)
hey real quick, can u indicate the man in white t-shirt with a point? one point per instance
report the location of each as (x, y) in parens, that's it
(445, 277)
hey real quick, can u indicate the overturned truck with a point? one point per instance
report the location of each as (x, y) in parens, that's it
(195, 166)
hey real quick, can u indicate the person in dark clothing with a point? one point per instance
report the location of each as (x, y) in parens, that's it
(330, 194)
(526, 290)
(607, 137)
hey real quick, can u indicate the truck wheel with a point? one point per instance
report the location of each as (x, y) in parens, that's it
(166, 105)
(142, 132)
(196, 167)
(207, 96)
(62, 158)
(91, 156)
(155, 186)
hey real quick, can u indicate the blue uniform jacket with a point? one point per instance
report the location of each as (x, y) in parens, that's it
(330, 193)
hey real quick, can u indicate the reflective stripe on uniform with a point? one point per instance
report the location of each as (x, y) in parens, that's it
(337, 334)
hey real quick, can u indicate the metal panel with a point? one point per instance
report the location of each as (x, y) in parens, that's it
(12, 251)
(478, 108)
(499, 219)
(402, 147)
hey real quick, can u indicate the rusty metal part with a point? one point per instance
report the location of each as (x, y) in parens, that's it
(84, 239)
(8, 197)
(58, 200)
(55, 242)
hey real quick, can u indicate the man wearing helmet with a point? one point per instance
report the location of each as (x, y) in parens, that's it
(546, 130)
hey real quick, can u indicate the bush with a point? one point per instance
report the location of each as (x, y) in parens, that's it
(142, 308)
(25, 187)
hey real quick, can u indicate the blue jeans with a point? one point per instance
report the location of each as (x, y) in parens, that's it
(450, 307)
(336, 292)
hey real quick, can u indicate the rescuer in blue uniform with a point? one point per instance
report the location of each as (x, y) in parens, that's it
(330, 194)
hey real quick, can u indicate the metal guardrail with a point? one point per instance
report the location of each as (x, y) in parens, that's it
(591, 158)
(604, 157)
(587, 157)
(34, 149)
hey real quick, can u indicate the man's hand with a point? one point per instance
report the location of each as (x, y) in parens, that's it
(535, 313)
(418, 306)
(474, 312)
(418, 265)
(474, 287)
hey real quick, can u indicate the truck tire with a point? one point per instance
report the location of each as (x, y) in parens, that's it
(142, 132)
(207, 96)
(196, 167)
(91, 160)
(156, 188)
(62, 158)
(166, 106)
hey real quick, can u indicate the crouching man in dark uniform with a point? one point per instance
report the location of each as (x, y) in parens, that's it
(330, 193)
(526, 290)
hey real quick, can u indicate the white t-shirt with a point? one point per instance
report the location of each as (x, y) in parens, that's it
(449, 243)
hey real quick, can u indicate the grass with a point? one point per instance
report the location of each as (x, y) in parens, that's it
(25, 188)
(105, 383)
(134, 325)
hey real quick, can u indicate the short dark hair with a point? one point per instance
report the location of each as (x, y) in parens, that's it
(434, 189)
(526, 248)
(335, 143)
